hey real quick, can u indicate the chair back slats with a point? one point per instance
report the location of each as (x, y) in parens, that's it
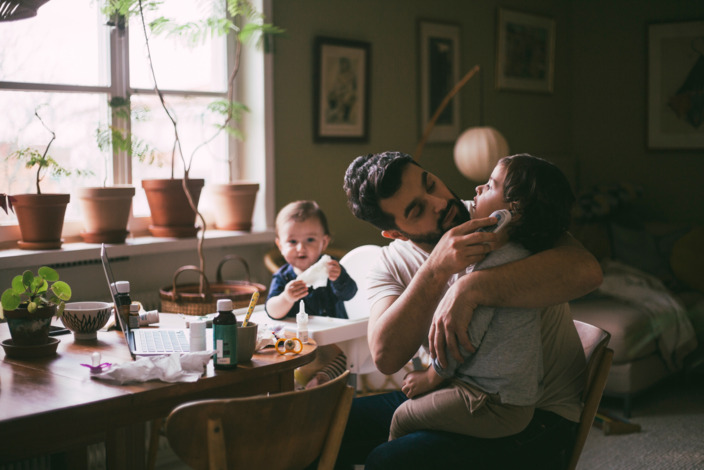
(598, 357)
(283, 431)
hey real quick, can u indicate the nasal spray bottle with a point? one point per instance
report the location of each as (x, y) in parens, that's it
(225, 336)
(302, 323)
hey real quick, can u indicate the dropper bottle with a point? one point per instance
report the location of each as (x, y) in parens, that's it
(302, 323)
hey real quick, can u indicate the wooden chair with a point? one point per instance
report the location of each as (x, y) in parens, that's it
(594, 341)
(283, 431)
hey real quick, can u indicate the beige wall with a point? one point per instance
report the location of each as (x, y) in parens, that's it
(594, 120)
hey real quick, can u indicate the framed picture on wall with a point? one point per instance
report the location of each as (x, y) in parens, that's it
(439, 47)
(675, 85)
(525, 58)
(341, 90)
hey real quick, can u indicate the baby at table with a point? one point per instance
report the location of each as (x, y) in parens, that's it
(302, 235)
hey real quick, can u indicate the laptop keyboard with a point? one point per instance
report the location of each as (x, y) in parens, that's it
(161, 341)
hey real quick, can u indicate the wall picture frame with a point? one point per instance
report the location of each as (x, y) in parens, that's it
(675, 77)
(341, 90)
(525, 57)
(439, 67)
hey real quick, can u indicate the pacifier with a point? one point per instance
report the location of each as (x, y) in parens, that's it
(289, 345)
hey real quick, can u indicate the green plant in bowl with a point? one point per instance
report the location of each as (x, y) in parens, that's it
(34, 292)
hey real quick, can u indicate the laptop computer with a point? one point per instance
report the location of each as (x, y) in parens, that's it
(147, 341)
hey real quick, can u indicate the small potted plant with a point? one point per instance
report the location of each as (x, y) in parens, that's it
(31, 302)
(40, 216)
(106, 209)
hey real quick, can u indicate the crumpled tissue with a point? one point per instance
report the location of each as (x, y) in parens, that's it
(168, 368)
(316, 275)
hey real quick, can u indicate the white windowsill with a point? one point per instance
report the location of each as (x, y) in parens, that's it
(134, 246)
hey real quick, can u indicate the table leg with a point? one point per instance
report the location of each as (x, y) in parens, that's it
(124, 448)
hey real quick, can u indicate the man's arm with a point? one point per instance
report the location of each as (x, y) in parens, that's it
(398, 325)
(550, 277)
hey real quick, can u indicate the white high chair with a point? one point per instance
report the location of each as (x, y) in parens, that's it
(357, 262)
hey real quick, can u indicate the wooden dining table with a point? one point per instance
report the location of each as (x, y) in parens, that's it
(53, 405)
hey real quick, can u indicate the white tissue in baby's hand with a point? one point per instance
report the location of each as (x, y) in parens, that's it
(316, 275)
(172, 368)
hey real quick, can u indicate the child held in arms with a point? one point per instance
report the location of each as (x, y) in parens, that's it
(493, 392)
(302, 235)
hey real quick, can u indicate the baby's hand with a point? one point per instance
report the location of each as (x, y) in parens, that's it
(295, 290)
(420, 381)
(334, 270)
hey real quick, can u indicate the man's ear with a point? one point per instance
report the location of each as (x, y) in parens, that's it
(393, 234)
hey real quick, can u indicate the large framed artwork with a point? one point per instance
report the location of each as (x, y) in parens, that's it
(676, 85)
(341, 90)
(439, 47)
(525, 58)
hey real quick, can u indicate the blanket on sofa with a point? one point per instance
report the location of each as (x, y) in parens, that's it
(671, 327)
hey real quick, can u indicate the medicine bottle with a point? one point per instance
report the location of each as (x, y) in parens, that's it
(134, 316)
(123, 301)
(302, 323)
(225, 336)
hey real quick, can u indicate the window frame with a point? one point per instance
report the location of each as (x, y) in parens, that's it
(122, 162)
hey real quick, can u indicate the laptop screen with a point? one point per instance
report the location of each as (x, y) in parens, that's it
(122, 322)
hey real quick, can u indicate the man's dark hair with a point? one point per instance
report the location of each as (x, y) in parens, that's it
(373, 177)
(541, 194)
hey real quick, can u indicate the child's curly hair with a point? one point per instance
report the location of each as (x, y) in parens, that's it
(539, 192)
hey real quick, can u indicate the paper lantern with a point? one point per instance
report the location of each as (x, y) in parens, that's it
(477, 150)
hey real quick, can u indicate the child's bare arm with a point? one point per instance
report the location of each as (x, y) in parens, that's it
(421, 381)
(277, 307)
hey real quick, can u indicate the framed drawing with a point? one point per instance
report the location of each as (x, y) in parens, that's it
(675, 80)
(439, 71)
(341, 90)
(525, 58)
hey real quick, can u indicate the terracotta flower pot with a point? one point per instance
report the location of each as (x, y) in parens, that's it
(30, 329)
(106, 211)
(41, 219)
(234, 205)
(172, 216)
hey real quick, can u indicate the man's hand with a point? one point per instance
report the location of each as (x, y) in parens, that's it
(461, 246)
(449, 326)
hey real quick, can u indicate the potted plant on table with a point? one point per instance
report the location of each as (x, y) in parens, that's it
(40, 216)
(31, 302)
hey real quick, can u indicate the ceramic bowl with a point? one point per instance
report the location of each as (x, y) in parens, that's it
(86, 318)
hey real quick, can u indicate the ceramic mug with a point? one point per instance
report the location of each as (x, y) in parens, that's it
(246, 341)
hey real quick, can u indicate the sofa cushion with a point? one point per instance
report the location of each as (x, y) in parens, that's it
(630, 329)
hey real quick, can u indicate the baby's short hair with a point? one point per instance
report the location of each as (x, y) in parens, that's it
(300, 211)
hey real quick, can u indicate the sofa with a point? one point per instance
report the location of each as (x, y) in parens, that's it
(651, 300)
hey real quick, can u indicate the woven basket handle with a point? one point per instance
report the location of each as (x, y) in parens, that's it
(207, 296)
(228, 258)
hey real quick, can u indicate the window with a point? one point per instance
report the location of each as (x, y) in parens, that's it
(66, 64)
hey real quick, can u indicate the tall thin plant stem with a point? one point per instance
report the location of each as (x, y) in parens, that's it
(177, 146)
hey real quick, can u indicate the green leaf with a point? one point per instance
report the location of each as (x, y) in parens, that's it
(27, 278)
(18, 285)
(10, 300)
(48, 273)
(62, 290)
(32, 307)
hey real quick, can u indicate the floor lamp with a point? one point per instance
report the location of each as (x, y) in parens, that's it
(477, 149)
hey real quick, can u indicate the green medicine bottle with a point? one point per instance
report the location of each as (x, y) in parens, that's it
(225, 336)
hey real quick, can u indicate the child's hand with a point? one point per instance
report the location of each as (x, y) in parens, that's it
(295, 290)
(334, 270)
(420, 381)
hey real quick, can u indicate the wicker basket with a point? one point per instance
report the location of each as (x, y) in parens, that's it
(189, 300)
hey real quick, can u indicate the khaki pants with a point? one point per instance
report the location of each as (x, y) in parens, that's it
(462, 409)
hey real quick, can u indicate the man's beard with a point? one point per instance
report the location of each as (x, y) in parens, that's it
(434, 237)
